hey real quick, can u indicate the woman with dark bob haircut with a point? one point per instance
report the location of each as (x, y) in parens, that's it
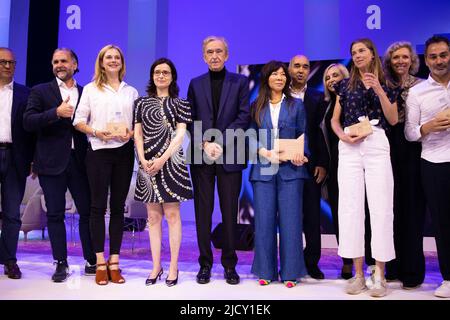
(277, 183)
(163, 179)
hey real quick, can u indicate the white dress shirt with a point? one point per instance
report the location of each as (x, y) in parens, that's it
(275, 114)
(98, 107)
(299, 95)
(424, 101)
(6, 97)
(72, 92)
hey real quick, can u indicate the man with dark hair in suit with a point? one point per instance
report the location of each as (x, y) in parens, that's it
(59, 157)
(16, 154)
(299, 69)
(219, 100)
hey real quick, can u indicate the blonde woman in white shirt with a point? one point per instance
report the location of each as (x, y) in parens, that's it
(105, 114)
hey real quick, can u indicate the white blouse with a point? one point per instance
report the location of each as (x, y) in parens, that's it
(98, 107)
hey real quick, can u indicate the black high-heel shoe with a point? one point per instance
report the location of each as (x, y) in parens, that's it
(151, 281)
(171, 283)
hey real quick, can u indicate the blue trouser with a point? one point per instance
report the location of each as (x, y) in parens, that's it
(278, 204)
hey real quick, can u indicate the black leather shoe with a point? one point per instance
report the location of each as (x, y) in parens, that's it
(89, 269)
(316, 273)
(12, 270)
(61, 272)
(204, 275)
(231, 276)
(171, 283)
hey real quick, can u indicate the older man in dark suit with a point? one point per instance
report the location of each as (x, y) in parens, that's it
(219, 101)
(16, 153)
(59, 157)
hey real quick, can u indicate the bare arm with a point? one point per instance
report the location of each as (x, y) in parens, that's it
(390, 110)
(337, 127)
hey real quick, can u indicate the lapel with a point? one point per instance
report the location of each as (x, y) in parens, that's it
(80, 91)
(267, 120)
(283, 114)
(55, 89)
(206, 84)
(225, 91)
(15, 104)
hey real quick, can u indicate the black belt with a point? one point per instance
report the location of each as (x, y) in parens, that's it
(5, 145)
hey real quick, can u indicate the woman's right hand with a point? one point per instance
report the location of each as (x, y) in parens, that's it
(352, 139)
(104, 135)
(271, 155)
(146, 164)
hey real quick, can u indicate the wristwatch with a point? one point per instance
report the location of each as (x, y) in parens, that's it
(94, 133)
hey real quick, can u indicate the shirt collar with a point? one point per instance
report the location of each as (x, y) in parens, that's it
(433, 82)
(301, 91)
(10, 85)
(122, 85)
(63, 85)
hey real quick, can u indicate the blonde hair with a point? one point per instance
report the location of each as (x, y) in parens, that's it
(214, 38)
(343, 71)
(387, 65)
(100, 75)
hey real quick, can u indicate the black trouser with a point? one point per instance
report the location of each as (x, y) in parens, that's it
(109, 170)
(333, 198)
(311, 222)
(13, 188)
(54, 188)
(436, 184)
(228, 189)
(409, 210)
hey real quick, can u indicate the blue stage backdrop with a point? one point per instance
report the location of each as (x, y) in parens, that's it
(257, 31)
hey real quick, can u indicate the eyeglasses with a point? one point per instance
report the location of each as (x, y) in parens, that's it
(12, 63)
(164, 73)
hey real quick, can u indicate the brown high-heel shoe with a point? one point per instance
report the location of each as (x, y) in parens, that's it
(101, 276)
(115, 275)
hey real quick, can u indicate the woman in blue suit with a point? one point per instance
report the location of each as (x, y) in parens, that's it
(277, 184)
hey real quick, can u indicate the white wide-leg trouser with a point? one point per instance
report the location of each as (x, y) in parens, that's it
(366, 166)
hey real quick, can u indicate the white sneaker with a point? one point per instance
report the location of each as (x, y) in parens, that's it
(444, 290)
(370, 280)
(378, 289)
(355, 285)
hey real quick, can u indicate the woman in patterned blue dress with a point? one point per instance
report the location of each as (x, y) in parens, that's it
(163, 179)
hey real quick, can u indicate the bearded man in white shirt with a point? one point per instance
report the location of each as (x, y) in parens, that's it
(428, 121)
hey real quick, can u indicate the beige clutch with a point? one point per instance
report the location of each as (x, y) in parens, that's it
(117, 128)
(363, 129)
(288, 148)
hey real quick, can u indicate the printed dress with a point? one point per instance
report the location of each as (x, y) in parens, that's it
(159, 118)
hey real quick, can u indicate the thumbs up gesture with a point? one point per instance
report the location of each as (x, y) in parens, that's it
(65, 110)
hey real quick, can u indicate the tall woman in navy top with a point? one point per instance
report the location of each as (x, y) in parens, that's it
(277, 186)
(364, 163)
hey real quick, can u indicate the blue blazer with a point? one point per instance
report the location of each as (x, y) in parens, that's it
(54, 135)
(233, 113)
(291, 124)
(23, 141)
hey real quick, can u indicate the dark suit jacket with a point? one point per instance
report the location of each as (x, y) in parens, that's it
(23, 141)
(315, 109)
(54, 135)
(233, 113)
